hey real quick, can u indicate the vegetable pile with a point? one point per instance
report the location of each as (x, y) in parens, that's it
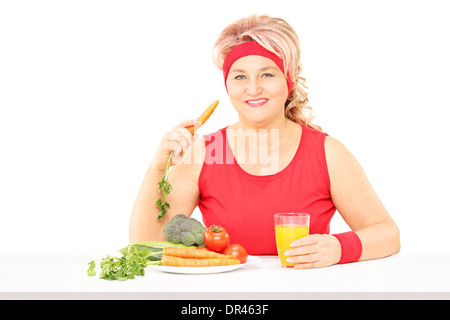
(181, 232)
(188, 244)
(135, 257)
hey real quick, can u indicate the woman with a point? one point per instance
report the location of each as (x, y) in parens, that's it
(308, 171)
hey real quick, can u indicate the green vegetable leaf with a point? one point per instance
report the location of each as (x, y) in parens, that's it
(165, 187)
(90, 271)
(135, 257)
(123, 268)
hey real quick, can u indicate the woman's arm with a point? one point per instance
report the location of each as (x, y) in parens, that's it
(361, 209)
(144, 224)
(359, 205)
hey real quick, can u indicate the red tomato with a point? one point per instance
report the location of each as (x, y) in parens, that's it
(216, 238)
(238, 251)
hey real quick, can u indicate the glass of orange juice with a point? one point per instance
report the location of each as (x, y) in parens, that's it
(289, 227)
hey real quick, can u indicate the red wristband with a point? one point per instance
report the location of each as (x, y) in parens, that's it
(351, 247)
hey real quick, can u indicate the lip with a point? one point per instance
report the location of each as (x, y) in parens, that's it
(255, 103)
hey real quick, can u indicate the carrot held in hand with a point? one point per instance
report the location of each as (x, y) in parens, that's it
(164, 186)
(205, 115)
(193, 253)
(182, 262)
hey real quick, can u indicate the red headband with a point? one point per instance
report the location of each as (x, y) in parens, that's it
(251, 48)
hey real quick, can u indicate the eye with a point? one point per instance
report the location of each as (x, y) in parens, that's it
(240, 77)
(267, 75)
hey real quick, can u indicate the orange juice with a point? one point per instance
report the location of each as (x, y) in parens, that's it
(285, 234)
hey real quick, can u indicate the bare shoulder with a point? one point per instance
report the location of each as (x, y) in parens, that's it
(340, 161)
(351, 191)
(336, 152)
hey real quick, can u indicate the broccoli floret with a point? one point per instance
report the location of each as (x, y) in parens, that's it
(185, 230)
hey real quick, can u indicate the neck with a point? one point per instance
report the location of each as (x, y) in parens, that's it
(278, 124)
(253, 135)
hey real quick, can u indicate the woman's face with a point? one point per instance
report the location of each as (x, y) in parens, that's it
(257, 90)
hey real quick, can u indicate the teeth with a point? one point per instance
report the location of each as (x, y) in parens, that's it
(257, 101)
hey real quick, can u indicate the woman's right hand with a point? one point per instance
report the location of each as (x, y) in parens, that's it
(178, 140)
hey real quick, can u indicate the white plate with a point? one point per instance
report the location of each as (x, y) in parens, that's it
(200, 270)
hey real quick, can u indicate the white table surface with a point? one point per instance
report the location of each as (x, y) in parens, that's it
(395, 277)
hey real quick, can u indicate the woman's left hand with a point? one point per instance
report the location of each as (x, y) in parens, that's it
(314, 251)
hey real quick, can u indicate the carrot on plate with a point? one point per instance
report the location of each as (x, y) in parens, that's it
(193, 253)
(182, 262)
(205, 115)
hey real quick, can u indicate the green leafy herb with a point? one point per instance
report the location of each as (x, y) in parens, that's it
(90, 271)
(131, 264)
(165, 188)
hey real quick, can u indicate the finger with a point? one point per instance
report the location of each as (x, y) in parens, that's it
(188, 123)
(310, 265)
(298, 251)
(174, 141)
(177, 149)
(180, 138)
(307, 258)
(185, 134)
(177, 153)
(305, 241)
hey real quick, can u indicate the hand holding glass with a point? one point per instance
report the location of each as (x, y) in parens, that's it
(289, 227)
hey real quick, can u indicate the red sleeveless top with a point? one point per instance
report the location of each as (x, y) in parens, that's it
(245, 204)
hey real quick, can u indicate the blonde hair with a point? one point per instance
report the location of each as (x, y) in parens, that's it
(277, 36)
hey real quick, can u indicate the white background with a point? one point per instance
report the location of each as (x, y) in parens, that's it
(87, 88)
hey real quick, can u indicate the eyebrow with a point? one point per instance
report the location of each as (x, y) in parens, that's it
(260, 70)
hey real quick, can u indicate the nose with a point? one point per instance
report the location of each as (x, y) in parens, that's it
(254, 87)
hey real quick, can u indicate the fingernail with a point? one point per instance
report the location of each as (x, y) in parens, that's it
(287, 252)
(289, 260)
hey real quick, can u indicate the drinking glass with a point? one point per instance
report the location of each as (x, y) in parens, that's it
(289, 227)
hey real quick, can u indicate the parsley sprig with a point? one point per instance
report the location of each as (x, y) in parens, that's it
(165, 188)
(131, 264)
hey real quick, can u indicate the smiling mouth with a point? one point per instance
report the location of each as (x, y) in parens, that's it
(256, 103)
